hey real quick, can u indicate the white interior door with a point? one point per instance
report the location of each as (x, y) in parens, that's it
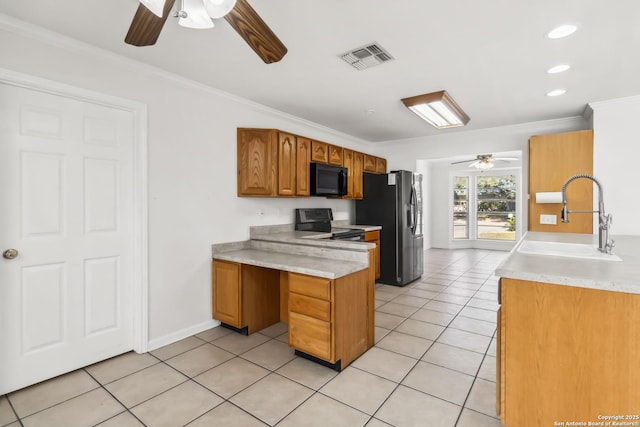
(66, 190)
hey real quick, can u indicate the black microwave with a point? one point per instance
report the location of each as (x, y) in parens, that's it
(328, 180)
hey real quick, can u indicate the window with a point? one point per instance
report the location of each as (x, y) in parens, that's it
(460, 207)
(484, 207)
(496, 207)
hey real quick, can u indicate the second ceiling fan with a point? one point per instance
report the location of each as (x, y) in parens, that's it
(152, 14)
(485, 161)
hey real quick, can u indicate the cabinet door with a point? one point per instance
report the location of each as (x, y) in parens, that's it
(335, 155)
(553, 159)
(257, 157)
(227, 293)
(374, 237)
(381, 165)
(286, 164)
(303, 158)
(358, 163)
(319, 152)
(369, 163)
(347, 162)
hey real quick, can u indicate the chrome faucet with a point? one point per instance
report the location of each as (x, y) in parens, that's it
(604, 221)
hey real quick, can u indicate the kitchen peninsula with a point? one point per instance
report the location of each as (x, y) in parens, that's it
(323, 290)
(568, 332)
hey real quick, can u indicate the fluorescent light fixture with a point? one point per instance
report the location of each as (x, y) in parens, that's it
(562, 31)
(556, 92)
(438, 109)
(155, 6)
(218, 8)
(196, 15)
(558, 69)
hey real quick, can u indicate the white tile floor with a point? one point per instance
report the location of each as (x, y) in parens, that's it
(433, 365)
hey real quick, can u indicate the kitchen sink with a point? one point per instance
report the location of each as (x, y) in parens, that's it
(570, 250)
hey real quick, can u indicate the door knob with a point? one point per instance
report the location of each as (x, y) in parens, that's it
(10, 253)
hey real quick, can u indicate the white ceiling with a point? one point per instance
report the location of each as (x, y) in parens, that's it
(491, 56)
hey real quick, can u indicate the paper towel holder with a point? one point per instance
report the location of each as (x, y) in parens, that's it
(549, 197)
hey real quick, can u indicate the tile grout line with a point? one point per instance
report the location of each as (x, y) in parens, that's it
(116, 399)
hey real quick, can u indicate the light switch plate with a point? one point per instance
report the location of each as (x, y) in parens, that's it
(549, 219)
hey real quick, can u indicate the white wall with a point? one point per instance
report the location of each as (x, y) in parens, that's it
(426, 155)
(615, 160)
(191, 166)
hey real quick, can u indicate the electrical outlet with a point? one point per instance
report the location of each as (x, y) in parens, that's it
(549, 219)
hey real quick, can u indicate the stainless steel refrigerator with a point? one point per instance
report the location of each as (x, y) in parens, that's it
(394, 201)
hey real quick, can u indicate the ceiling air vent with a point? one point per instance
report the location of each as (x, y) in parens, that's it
(366, 56)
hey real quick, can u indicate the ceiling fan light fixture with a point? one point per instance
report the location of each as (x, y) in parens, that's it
(482, 164)
(438, 109)
(155, 6)
(218, 8)
(558, 69)
(195, 15)
(562, 31)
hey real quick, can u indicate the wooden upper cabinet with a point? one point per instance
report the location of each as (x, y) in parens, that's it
(257, 158)
(335, 155)
(303, 158)
(287, 165)
(358, 166)
(272, 163)
(553, 159)
(319, 152)
(369, 163)
(347, 162)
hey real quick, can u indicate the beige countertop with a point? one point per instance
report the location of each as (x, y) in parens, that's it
(619, 276)
(282, 248)
(305, 264)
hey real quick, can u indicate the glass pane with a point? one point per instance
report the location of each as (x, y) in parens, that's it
(460, 207)
(496, 207)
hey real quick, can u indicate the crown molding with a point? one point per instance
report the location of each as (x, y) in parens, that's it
(42, 35)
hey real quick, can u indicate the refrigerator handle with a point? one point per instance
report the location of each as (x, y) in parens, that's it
(411, 220)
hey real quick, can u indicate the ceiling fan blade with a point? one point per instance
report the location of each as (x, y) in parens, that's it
(463, 161)
(146, 26)
(506, 159)
(246, 21)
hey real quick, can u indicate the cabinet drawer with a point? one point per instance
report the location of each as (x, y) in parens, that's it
(372, 236)
(310, 335)
(314, 307)
(311, 286)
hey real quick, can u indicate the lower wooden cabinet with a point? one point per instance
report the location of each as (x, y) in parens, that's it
(245, 297)
(329, 319)
(227, 293)
(566, 353)
(374, 237)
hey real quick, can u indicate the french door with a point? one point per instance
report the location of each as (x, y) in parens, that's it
(484, 206)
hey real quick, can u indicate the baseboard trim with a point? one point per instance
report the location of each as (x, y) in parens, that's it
(181, 334)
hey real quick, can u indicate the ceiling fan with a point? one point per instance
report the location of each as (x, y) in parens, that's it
(151, 15)
(485, 161)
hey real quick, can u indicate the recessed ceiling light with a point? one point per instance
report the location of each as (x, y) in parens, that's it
(556, 92)
(562, 31)
(558, 69)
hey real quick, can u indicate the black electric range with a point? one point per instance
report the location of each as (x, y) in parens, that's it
(319, 220)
